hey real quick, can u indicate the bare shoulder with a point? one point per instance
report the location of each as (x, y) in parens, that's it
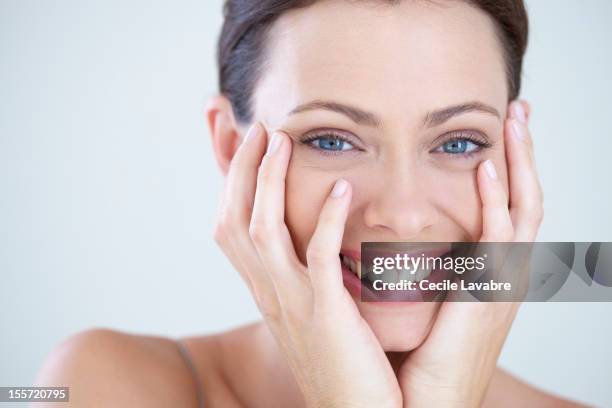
(507, 390)
(229, 363)
(104, 367)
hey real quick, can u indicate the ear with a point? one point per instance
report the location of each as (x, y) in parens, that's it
(224, 131)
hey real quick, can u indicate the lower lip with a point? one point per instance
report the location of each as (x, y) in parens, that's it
(389, 297)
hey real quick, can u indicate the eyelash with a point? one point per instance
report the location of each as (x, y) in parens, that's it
(449, 137)
(469, 136)
(332, 134)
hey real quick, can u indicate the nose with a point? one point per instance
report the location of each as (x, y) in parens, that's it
(400, 205)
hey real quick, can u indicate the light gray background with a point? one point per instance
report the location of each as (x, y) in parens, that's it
(109, 186)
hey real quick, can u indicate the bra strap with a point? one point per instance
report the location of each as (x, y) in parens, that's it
(186, 355)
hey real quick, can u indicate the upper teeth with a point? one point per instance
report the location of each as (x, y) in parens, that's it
(353, 266)
(389, 275)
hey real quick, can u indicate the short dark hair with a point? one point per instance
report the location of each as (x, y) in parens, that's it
(247, 22)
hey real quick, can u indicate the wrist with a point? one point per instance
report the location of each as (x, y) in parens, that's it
(444, 394)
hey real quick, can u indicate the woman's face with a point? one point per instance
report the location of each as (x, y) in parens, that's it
(417, 94)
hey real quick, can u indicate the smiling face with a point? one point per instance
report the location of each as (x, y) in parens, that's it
(404, 102)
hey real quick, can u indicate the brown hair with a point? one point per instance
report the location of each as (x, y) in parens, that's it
(247, 22)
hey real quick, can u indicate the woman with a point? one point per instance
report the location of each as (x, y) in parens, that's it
(340, 122)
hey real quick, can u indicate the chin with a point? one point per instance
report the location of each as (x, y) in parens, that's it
(399, 326)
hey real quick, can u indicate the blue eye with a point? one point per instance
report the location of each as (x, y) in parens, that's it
(330, 143)
(458, 146)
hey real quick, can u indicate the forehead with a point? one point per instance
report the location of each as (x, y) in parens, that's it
(405, 58)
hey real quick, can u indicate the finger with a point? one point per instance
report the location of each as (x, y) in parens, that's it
(496, 222)
(527, 109)
(228, 248)
(236, 210)
(241, 179)
(322, 255)
(526, 198)
(520, 110)
(268, 229)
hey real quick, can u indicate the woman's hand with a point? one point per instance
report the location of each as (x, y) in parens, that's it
(336, 359)
(454, 365)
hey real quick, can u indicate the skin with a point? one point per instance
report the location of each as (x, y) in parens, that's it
(436, 197)
(282, 229)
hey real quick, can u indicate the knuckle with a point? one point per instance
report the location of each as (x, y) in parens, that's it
(531, 211)
(259, 231)
(328, 218)
(265, 171)
(495, 209)
(505, 233)
(316, 255)
(233, 216)
(219, 233)
(496, 198)
(540, 213)
(256, 231)
(226, 224)
(225, 220)
(541, 195)
(501, 198)
(529, 141)
(536, 215)
(501, 235)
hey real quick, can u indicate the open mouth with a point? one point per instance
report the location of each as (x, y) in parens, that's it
(388, 276)
(361, 282)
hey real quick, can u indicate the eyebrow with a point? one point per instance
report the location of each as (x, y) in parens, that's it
(357, 115)
(440, 116)
(362, 117)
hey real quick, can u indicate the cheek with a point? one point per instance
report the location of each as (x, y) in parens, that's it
(501, 166)
(457, 199)
(498, 156)
(306, 192)
(456, 194)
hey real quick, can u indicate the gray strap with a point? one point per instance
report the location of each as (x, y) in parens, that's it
(184, 352)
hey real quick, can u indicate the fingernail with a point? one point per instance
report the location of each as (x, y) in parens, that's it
(519, 112)
(253, 131)
(517, 129)
(490, 168)
(339, 188)
(274, 142)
